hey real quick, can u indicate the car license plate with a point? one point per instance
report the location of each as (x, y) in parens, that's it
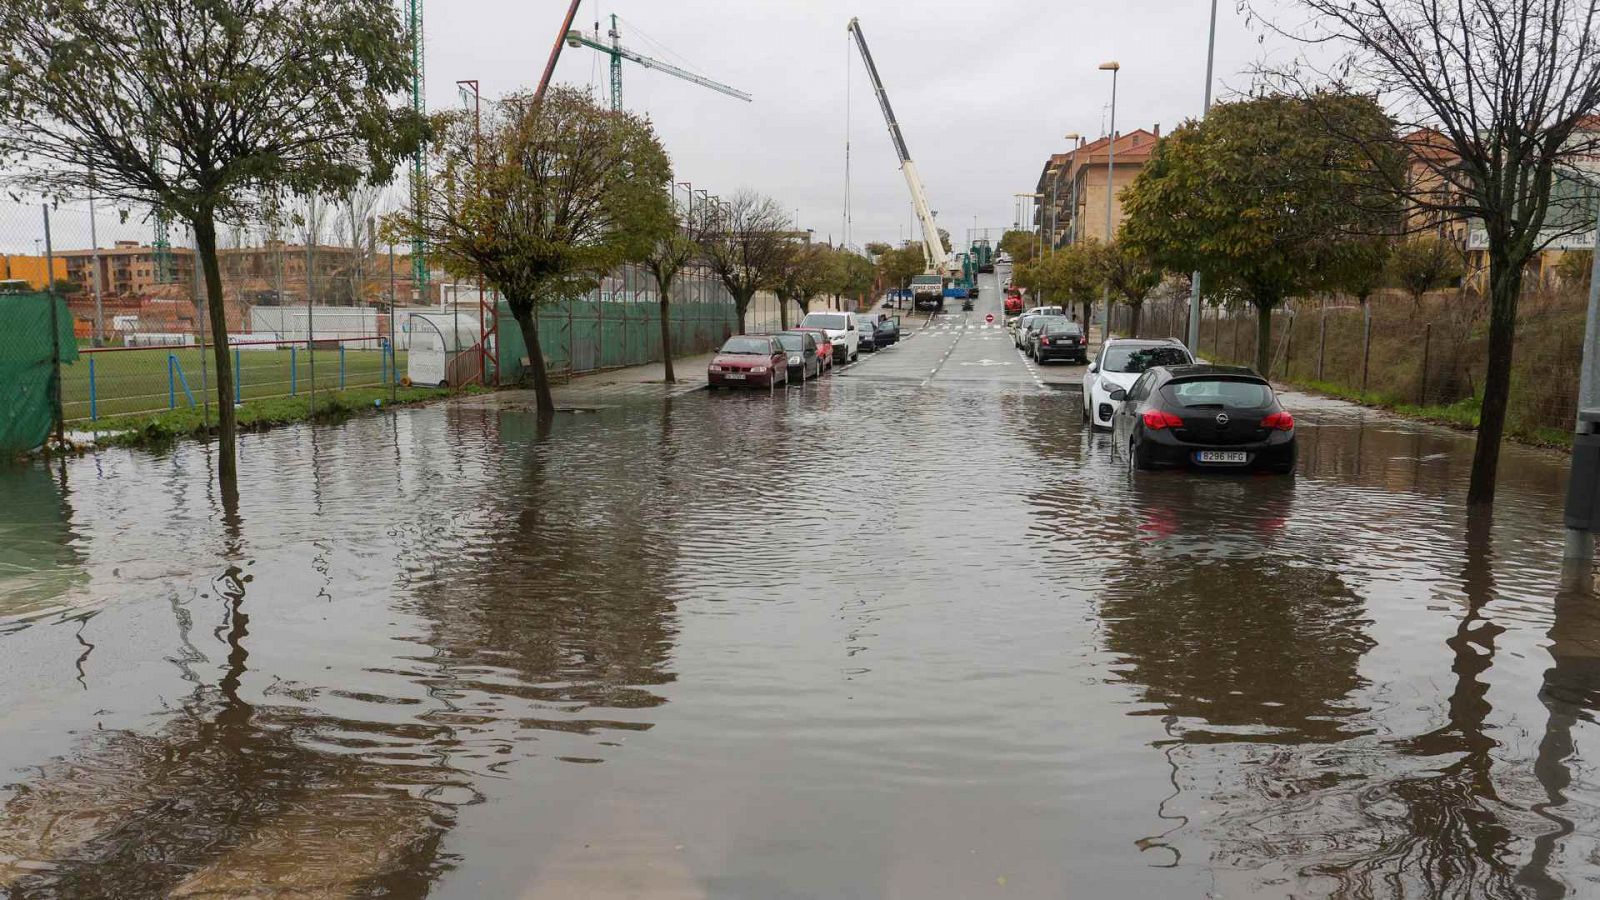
(734, 376)
(1223, 456)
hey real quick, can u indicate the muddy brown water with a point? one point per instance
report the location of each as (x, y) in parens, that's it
(861, 640)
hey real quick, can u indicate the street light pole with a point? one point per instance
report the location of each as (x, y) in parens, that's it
(1194, 281)
(1113, 67)
(1072, 189)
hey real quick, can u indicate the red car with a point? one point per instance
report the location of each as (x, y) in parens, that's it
(749, 359)
(822, 344)
(1013, 301)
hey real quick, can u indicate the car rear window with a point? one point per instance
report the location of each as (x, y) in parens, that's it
(747, 345)
(792, 341)
(1055, 328)
(1220, 392)
(1137, 359)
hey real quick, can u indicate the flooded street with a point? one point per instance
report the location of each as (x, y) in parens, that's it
(896, 634)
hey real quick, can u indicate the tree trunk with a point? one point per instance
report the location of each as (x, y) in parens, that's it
(741, 305)
(1137, 310)
(1086, 322)
(522, 311)
(1505, 288)
(666, 333)
(783, 313)
(205, 239)
(1264, 340)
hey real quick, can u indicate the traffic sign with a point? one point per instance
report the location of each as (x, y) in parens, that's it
(989, 318)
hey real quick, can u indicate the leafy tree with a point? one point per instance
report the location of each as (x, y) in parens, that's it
(1260, 199)
(561, 193)
(1071, 275)
(1020, 244)
(64, 286)
(897, 266)
(877, 248)
(807, 270)
(1363, 267)
(1496, 100)
(1130, 276)
(746, 243)
(853, 276)
(198, 108)
(1576, 267)
(1423, 264)
(677, 244)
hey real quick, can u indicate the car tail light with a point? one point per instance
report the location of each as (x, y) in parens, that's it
(1280, 420)
(1156, 419)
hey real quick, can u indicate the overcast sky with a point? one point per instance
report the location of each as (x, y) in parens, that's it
(983, 92)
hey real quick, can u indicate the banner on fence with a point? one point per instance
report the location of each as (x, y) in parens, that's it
(28, 365)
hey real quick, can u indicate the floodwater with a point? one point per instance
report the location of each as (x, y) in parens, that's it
(872, 638)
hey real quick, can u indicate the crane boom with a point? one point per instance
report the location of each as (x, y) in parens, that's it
(576, 38)
(932, 246)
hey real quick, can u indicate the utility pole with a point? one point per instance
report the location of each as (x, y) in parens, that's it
(1194, 280)
(311, 347)
(94, 257)
(1114, 68)
(1583, 488)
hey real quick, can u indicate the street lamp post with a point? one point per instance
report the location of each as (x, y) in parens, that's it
(1111, 168)
(1194, 281)
(1072, 189)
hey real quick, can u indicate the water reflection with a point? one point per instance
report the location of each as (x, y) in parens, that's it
(39, 557)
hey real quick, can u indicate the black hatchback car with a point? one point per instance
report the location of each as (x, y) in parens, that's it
(1204, 417)
(1061, 340)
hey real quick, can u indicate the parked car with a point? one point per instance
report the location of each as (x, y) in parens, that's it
(888, 332)
(804, 354)
(1019, 323)
(1119, 364)
(1061, 340)
(824, 346)
(1027, 333)
(1013, 306)
(842, 333)
(1046, 311)
(755, 360)
(867, 335)
(1203, 416)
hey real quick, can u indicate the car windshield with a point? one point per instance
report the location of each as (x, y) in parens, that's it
(792, 342)
(887, 325)
(1221, 392)
(1137, 359)
(834, 321)
(748, 345)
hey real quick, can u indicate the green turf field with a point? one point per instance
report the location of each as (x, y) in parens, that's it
(128, 381)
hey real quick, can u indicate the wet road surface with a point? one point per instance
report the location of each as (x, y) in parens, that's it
(663, 649)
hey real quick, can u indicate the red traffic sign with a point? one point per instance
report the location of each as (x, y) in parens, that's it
(989, 318)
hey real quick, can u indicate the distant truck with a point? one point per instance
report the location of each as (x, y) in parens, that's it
(927, 292)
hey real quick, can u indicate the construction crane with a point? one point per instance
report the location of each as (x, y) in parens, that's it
(618, 53)
(933, 247)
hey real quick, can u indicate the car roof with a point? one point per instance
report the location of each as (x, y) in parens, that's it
(1194, 370)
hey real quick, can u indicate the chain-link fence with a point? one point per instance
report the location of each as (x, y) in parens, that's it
(320, 306)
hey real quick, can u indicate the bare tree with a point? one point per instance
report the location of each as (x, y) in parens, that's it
(665, 258)
(1494, 99)
(355, 222)
(745, 246)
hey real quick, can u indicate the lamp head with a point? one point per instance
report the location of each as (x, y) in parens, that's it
(1110, 66)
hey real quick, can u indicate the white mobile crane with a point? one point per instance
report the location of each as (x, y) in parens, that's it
(927, 289)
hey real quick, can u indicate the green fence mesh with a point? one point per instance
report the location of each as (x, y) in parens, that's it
(27, 365)
(586, 334)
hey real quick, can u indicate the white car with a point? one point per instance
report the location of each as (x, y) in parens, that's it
(843, 330)
(1120, 363)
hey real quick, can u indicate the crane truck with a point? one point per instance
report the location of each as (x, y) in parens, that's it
(927, 289)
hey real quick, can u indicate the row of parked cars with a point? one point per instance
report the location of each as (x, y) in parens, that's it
(1047, 334)
(1164, 408)
(821, 341)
